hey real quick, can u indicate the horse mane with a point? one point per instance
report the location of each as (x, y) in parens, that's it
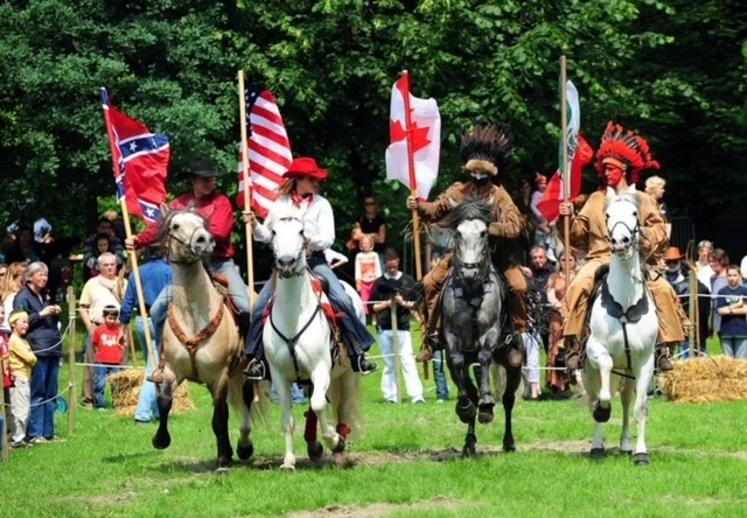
(633, 197)
(469, 209)
(165, 224)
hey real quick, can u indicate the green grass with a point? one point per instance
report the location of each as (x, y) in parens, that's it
(406, 465)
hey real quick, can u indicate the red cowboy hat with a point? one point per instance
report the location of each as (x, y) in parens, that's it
(306, 166)
(673, 254)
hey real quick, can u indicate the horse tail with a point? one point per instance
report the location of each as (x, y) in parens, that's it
(345, 396)
(259, 411)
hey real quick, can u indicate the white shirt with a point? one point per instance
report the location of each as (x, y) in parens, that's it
(704, 275)
(316, 214)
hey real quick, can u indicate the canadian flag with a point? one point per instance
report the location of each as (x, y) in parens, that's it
(415, 136)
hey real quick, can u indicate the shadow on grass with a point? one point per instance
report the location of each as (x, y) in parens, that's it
(124, 457)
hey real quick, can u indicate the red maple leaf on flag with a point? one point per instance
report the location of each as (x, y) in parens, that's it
(419, 135)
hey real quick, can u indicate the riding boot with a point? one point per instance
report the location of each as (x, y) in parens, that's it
(431, 341)
(663, 360)
(244, 320)
(358, 360)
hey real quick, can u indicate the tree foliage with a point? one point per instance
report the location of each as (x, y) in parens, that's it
(674, 70)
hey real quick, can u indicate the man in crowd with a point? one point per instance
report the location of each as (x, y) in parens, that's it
(98, 292)
(730, 305)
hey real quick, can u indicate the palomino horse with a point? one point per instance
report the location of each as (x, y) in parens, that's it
(200, 341)
(475, 323)
(624, 328)
(298, 346)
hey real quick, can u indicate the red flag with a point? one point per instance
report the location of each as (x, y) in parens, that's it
(140, 159)
(549, 205)
(269, 150)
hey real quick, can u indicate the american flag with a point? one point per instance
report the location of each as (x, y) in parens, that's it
(269, 150)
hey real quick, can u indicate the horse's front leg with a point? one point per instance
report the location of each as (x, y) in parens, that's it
(626, 396)
(284, 396)
(513, 379)
(643, 377)
(598, 355)
(591, 381)
(220, 429)
(321, 380)
(245, 448)
(162, 439)
(465, 408)
(486, 402)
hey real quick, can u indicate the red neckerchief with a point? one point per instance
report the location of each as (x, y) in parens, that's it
(299, 199)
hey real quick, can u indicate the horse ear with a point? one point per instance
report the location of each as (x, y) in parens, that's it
(611, 192)
(164, 210)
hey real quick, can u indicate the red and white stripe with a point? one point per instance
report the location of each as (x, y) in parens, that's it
(269, 154)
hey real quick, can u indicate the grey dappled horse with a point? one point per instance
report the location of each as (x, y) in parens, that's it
(476, 327)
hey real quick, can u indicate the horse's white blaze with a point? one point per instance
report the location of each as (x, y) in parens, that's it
(605, 348)
(472, 240)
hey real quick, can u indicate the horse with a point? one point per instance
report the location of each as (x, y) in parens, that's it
(201, 342)
(298, 343)
(476, 327)
(623, 330)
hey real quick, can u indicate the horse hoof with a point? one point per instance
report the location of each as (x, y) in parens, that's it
(641, 459)
(597, 453)
(245, 452)
(466, 411)
(601, 414)
(161, 441)
(509, 447)
(468, 451)
(486, 414)
(221, 470)
(286, 466)
(315, 451)
(340, 446)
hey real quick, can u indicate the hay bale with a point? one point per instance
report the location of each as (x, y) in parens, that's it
(706, 380)
(126, 386)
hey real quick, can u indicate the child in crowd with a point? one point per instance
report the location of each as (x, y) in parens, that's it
(367, 269)
(22, 361)
(109, 347)
(103, 244)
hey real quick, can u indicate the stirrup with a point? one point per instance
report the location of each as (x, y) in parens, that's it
(256, 370)
(364, 366)
(663, 362)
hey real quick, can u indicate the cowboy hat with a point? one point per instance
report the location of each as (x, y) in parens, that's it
(673, 254)
(305, 166)
(204, 168)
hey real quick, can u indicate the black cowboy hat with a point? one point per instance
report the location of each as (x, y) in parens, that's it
(204, 167)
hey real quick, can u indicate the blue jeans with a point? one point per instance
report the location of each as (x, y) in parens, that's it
(237, 290)
(355, 332)
(99, 383)
(43, 388)
(735, 346)
(147, 404)
(439, 375)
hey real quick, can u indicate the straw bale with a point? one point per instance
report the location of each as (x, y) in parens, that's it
(126, 391)
(706, 380)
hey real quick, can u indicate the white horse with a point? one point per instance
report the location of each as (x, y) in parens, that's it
(298, 342)
(624, 328)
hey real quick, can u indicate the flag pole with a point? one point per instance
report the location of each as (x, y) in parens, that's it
(564, 168)
(413, 180)
(247, 187)
(128, 233)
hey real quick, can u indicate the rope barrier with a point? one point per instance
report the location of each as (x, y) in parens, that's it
(50, 399)
(83, 364)
(54, 346)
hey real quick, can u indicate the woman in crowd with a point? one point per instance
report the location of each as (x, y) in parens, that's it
(10, 284)
(556, 286)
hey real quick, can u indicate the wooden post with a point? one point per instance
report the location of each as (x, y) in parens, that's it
(692, 307)
(72, 316)
(564, 169)
(396, 347)
(413, 179)
(247, 188)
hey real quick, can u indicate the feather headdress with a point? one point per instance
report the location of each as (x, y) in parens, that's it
(487, 149)
(626, 150)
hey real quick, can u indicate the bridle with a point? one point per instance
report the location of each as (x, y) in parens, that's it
(482, 264)
(635, 234)
(302, 251)
(186, 244)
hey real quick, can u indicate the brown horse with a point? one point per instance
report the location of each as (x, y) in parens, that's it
(201, 342)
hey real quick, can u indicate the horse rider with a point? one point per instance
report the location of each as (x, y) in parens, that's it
(299, 194)
(486, 152)
(217, 211)
(621, 158)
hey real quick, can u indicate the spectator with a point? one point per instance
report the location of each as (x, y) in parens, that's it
(543, 232)
(556, 287)
(108, 343)
(369, 223)
(155, 275)
(719, 262)
(743, 269)
(367, 270)
(705, 272)
(655, 187)
(678, 276)
(23, 249)
(98, 292)
(11, 284)
(731, 306)
(22, 361)
(46, 343)
(117, 224)
(103, 245)
(539, 275)
(395, 287)
(91, 244)
(5, 370)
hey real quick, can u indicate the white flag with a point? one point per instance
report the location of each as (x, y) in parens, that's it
(425, 139)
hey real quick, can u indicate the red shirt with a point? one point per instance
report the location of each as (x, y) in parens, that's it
(108, 342)
(216, 209)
